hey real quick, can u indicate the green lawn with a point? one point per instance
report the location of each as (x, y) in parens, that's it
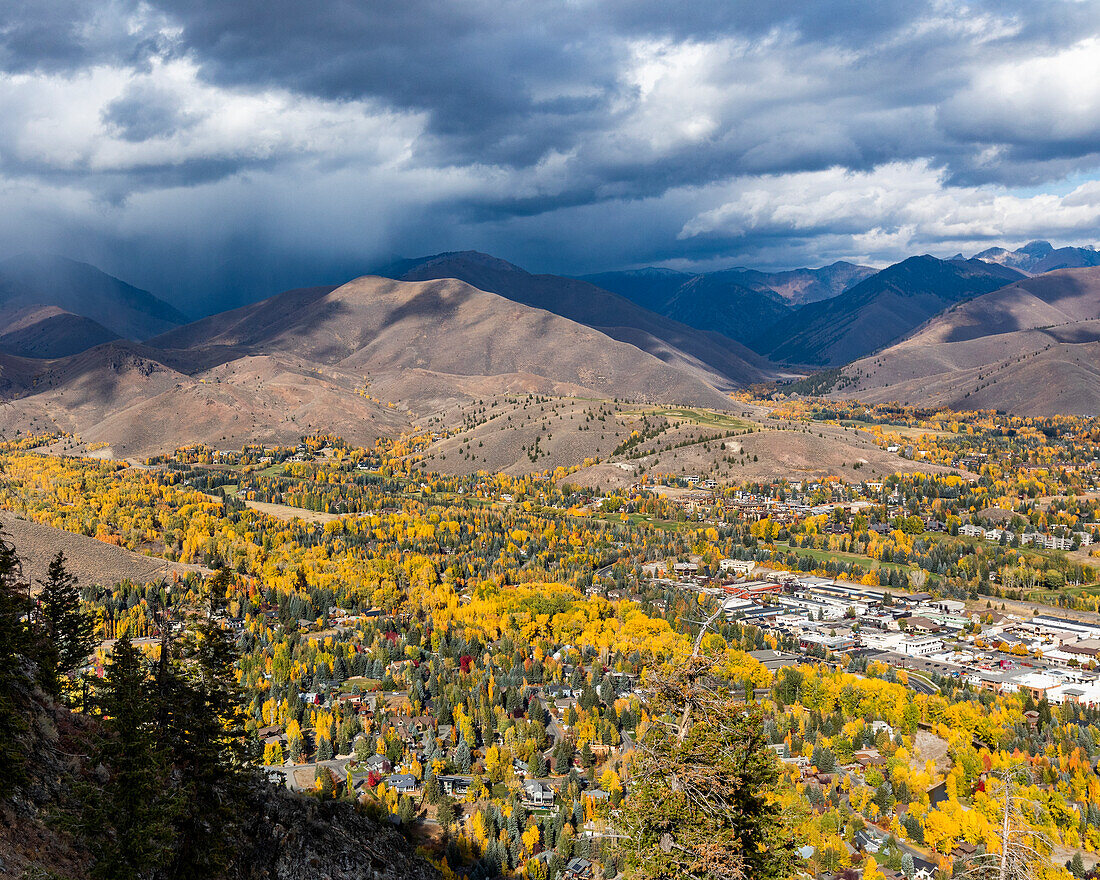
(708, 417)
(825, 555)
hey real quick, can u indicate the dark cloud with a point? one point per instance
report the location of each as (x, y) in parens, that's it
(144, 112)
(67, 35)
(569, 135)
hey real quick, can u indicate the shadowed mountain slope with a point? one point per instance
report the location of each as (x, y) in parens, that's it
(739, 303)
(880, 310)
(1032, 348)
(651, 287)
(46, 280)
(49, 332)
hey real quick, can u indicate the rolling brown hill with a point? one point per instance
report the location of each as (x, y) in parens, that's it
(1031, 348)
(712, 357)
(367, 359)
(126, 396)
(92, 561)
(384, 329)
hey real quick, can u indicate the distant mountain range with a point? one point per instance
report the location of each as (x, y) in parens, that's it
(83, 352)
(37, 288)
(879, 310)
(1037, 257)
(1032, 347)
(739, 303)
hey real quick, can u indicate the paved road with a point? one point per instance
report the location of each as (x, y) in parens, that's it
(920, 685)
(557, 733)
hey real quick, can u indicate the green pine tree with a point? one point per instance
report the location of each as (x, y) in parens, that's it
(699, 802)
(16, 644)
(125, 819)
(69, 627)
(201, 724)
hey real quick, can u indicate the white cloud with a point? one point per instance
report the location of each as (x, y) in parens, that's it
(57, 123)
(1042, 99)
(896, 208)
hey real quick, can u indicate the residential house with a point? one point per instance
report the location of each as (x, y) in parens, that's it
(402, 783)
(578, 869)
(378, 764)
(537, 793)
(455, 786)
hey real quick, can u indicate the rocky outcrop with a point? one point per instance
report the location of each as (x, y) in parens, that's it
(287, 837)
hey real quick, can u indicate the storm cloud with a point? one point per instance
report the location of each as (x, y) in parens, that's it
(216, 151)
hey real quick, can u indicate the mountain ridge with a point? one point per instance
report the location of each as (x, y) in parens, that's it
(710, 356)
(365, 359)
(880, 310)
(39, 280)
(740, 303)
(1031, 347)
(1038, 257)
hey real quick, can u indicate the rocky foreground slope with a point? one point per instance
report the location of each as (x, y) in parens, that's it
(279, 836)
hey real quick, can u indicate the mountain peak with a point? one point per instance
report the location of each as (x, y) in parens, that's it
(42, 279)
(1037, 257)
(469, 258)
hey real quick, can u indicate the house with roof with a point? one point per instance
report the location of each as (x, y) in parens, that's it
(402, 783)
(578, 869)
(537, 793)
(378, 764)
(455, 786)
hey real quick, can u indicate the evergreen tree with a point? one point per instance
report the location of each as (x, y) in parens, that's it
(125, 818)
(69, 627)
(200, 723)
(406, 812)
(537, 765)
(462, 756)
(15, 644)
(699, 803)
(446, 811)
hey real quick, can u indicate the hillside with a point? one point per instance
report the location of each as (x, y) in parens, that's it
(711, 357)
(739, 303)
(49, 332)
(47, 280)
(368, 359)
(801, 286)
(880, 310)
(59, 769)
(775, 450)
(383, 329)
(727, 305)
(92, 561)
(1031, 348)
(650, 286)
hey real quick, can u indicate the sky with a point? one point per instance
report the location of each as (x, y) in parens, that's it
(214, 152)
